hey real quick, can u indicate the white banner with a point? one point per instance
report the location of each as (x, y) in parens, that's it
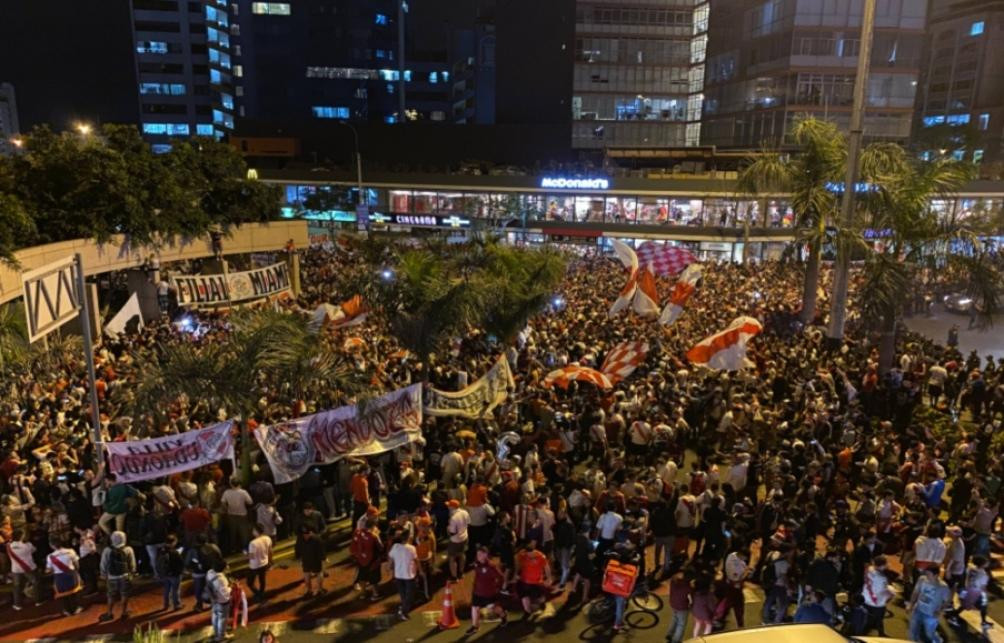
(158, 457)
(234, 287)
(478, 399)
(117, 324)
(385, 423)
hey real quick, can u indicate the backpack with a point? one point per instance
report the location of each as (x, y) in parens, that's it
(118, 562)
(163, 563)
(768, 575)
(362, 547)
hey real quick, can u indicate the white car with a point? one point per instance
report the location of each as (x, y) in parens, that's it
(796, 633)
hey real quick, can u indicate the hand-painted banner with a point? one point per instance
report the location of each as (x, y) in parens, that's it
(476, 400)
(385, 423)
(158, 457)
(212, 290)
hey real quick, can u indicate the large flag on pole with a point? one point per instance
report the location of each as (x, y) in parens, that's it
(639, 292)
(117, 324)
(664, 258)
(726, 350)
(685, 285)
(623, 359)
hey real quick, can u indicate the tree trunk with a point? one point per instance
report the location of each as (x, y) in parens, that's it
(887, 343)
(811, 282)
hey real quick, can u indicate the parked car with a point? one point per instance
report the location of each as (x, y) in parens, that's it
(958, 302)
(795, 633)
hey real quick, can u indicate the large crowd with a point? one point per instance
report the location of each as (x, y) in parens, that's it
(811, 473)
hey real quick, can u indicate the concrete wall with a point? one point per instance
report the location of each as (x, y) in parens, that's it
(112, 256)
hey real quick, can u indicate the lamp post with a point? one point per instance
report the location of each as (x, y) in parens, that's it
(84, 128)
(359, 168)
(838, 305)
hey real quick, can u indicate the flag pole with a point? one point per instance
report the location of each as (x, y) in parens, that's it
(85, 326)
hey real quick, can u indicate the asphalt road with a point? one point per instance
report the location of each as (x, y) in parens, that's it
(987, 341)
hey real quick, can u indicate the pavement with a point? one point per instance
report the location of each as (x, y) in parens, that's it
(986, 341)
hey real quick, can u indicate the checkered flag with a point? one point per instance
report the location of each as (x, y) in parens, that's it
(623, 359)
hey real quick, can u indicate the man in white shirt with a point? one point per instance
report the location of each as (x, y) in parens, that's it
(667, 473)
(876, 593)
(234, 504)
(936, 376)
(65, 566)
(456, 550)
(22, 566)
(259, 558)
(607, 527)
(403, 559)
(736, 476)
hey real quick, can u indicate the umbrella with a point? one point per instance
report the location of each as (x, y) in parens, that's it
(563, 376)
(352, 343)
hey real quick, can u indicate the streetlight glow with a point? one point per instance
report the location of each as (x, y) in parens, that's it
(84, 128)
(17, 142)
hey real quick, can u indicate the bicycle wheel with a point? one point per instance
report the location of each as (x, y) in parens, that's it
(641, 619)
(601, 611)
(647, 601)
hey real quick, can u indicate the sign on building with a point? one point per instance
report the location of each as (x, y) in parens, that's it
(50, 296)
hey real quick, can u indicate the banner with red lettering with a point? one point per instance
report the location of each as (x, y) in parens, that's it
(157, 457)
(379, 425)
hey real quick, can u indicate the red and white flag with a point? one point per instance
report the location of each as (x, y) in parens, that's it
(664, 258)
(726, 350)
(685, 285)
(623, 359)
(639, 292)
(562, 377)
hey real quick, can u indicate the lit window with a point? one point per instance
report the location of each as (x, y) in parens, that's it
(162, 89)
(217, 116)
(984, 121)
(977, 156)
(390, 88)
(976, 28)
(161, 148)
(389, 119)
(170, 129)
(219, 17)
(204, 129)
(433, 77)
(446, 76)
(957, 119)
(330, 112)
(380, 19)
(151, 47)
(389, 74)
(958, 155)
(238, 70)
(270, 8)
(215, 77)
(380, 53)
(227, 100)
(407, 75)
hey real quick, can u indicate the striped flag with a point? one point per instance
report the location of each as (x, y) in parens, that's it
(726, 350)
(685, 285)
(639, 291)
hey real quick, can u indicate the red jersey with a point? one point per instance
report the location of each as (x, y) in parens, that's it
(488, 579)
(531, 566)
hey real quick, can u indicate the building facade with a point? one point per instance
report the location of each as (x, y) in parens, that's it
(960, 86)
(632, 72)
(185, 69)
(9, 128)
(770, 61)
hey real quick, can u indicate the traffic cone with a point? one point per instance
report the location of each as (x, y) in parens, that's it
(448, 620)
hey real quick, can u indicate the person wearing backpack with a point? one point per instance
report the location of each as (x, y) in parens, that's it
(217, 594)
(198, 564)
(169, 567)
(118, 564)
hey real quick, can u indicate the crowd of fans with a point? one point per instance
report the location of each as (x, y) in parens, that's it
(811, 474)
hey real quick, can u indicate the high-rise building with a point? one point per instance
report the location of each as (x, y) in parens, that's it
(632, 76)
(185, 68)
(959, 84)
(342, 60)
(9, 128)
(770, 61)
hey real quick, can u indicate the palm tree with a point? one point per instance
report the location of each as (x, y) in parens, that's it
(264, 348)
(806, 177)
(915, 236)
(14, 348)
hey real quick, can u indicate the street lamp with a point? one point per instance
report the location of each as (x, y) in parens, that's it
(17, 142)
(359, 165)
(84, 128)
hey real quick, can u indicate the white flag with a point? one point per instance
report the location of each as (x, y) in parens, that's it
(131, 309)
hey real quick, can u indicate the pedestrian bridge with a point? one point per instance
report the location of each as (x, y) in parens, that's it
(118, 254)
